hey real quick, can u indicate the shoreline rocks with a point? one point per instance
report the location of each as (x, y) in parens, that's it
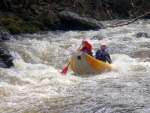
(6, 59)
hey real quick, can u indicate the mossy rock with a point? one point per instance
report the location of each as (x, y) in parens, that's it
(49, 19)
(40, 25)
(29, 27)
(46, 16)
(15, 27)
(24, 15)
(12, 26)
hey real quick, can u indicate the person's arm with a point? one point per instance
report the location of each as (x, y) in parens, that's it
(80, 50)
(96, 55)
(108, 58)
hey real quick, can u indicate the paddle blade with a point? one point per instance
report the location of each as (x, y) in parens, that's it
(64, 71)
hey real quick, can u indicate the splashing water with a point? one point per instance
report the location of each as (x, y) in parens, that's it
(35, 84)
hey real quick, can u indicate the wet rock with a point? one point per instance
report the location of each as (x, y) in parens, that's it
(142, 34)
(47, 7)
(6, 59)
(37, 12)
(36, 7)
(50, 19)
(73, 21)
(4, 35)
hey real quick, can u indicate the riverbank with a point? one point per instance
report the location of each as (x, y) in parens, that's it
(43, 15)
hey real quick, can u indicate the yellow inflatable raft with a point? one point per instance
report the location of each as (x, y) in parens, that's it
(82, 63)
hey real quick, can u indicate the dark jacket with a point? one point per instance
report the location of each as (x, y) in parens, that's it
(103, 56)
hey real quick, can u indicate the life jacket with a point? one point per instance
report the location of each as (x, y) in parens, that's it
(101, 55)
(87, 49)
(89, 46)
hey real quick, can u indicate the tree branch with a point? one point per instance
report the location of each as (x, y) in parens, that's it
(128, 22)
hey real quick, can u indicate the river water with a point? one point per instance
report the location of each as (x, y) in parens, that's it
(35, 85)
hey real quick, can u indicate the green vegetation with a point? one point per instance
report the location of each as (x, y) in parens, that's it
(15, 27)
(24, 16)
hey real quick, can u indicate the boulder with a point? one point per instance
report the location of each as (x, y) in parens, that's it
(50, 19)
(6, 59)
(4, 35)
(73, 21)
(142, 34)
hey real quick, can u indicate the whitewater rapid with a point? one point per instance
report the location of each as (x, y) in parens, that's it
(35, 85)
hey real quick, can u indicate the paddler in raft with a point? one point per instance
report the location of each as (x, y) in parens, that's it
(103, 55)
(86, 47)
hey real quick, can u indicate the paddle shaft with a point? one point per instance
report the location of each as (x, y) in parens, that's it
(108, 59)
(64, 71)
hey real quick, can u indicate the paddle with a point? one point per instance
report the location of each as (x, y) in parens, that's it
(64, 71)
(108, 60)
